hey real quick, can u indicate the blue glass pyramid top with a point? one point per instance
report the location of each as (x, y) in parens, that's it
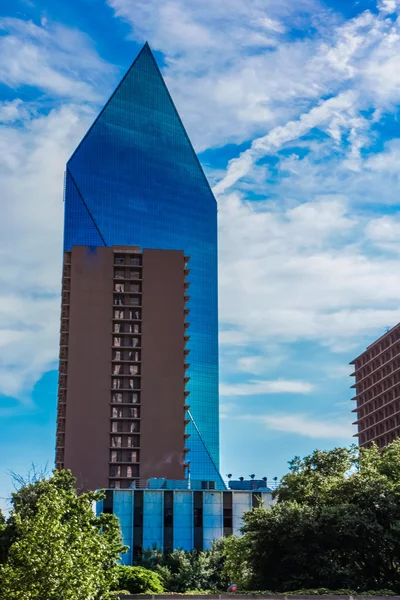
(136, 180)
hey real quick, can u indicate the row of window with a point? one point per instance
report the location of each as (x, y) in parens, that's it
(127, 300)
(132, 315)
(125, 398)
(379, 374)
(128, 259)
(125, 412)
(121, 441)
(127, 274)
(127, 287)
(126, 328)
(127, 355)
(124, 456)
(128, 471)
(127, 342)
(126, 384)
(125, 427)
(379, 388)
(378, 348)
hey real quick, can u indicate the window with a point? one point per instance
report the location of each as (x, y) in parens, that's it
(134, 274)
(129, 471)
(116, 427)
(116, 384)
(117, 412)
(119, 273)
(119, 287)
(118, 314)
(116, 441)
(114, 456)
(134, 300)
(117, 398)
(117, 342)
(135, 398)
(119, 260)
(134, 314)
(134, 427)
(118, 301)
(116, 471)
(134, 456)
(134, 287)
(136, 328)
(117, 355)
(135, 261)
(133, 369)
(135, 342)
(117, 369)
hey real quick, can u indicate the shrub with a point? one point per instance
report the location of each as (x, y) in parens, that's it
(138, 580)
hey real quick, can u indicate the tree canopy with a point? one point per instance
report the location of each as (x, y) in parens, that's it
(336, 524)
(55, 547)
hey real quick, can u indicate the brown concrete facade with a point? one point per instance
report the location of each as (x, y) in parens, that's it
(163, 370)
(121, 405)
(377, 385)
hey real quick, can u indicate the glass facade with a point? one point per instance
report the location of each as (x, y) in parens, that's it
(136, 180)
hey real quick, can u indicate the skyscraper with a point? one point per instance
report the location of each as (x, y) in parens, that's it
(135, 180)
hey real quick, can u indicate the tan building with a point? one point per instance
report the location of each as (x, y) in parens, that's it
(122, 397)
(377, 385)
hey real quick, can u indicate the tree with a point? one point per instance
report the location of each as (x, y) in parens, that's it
(138, 580)
(336, 524)
(185, 571)
(58, 547)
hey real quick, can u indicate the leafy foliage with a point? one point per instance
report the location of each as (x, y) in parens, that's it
(57, 547)
(187, 571)
(138, 580)
(336, 525)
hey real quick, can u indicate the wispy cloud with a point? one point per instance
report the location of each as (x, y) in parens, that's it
(305, 426)
(51, 57)
(259, 388)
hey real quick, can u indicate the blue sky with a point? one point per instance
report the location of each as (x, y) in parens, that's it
(293, 109)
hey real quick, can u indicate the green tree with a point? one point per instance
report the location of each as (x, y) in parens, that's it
(336, 525)
(58, 547)
(138, 580)
(182, 571)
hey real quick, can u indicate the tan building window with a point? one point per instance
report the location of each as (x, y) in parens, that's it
(116, 384)
(117, 369)
(117, 342)
(117, 398)
(119, 287)
(116, 441)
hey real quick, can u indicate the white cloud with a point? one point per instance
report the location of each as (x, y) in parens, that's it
(51, 57)
(32, 168)
(303, 273)
(388, 6)
(305, 426)
(259, 388)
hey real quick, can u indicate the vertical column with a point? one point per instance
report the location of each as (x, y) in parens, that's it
(126, 368)
(87, 428)
(241, 503)
(138, 517)
(183, 520)
(153, 519)
(228, 515)
(123, 509)
(168, 521)
(198, 521)
(163, 365)
(213, 518)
